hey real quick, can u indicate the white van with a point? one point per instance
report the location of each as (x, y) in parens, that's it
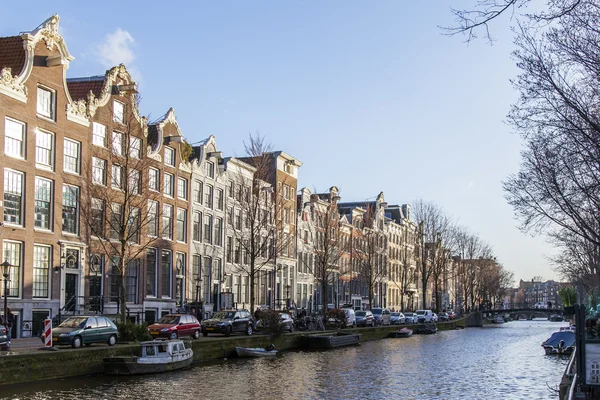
(424, 316)
(350, 317)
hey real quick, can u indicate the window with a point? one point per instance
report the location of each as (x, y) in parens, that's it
(131, 275)
(44, 146)
(167, 222)
(229, 250)
(13, 197)
(45, 102)
(117, 143)
(210, 169)
(151, 272)
(219, 199)
(196, 268)
(43, 203)
(165, 261)
(114, 279)
(218, 231)
(13, 254)
(97, 223)
(197, 192)
(207, 228)
(135, 145)
(197, 227)
(134, 181)
(168, 189)
(99, 171)
(133, 225)
(154, 179)
(118, 112)
(14, 138)
(238, 220)
(170, 156)
(208, 200)
(182, 190)
(230, 216)
(116, 216)
(152, 218)
(206, 281)
(230, 189)
(181, 225)
(99, 134)
(41, 270)
(286, 192)
(117, 177)
(71, 158)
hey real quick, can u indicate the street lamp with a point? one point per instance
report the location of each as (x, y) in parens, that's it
(198, 302)
(6, 273)
(95, 286)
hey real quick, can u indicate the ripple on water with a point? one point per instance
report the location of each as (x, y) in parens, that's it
(505, 362)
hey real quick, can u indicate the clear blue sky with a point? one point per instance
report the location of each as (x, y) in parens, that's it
(369, 95)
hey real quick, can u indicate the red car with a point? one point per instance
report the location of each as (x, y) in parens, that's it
(173, 326)
(451, 315)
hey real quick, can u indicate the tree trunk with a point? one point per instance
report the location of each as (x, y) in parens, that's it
(324, 295)
(122, 292)
(252, 278)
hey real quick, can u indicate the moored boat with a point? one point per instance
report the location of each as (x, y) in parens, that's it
(426, 329)
(498, 320)
(255, 352)
(561, 342)
(332, 341)
(401, 333)
(157, 356)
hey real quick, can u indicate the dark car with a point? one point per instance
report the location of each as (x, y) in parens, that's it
(173, 326)
(286, 323)
(364, 318)
(81, 329)
(228, 322)
(443, 317)
(3, 336)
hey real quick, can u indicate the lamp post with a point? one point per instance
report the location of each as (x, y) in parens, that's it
(179, 288)
(6, 273)
(95, 286)
(198, 302)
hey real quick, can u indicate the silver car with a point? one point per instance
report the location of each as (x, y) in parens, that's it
(397, 318)
(410, 318)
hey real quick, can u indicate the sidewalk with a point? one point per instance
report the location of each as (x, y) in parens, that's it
(23, 345)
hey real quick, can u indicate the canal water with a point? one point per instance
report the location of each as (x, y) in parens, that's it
(495, 362)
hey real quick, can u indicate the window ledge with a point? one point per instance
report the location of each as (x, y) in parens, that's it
(45, 118)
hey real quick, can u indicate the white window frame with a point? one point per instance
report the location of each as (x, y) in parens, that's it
(116, 177)
(154, 179)
(183, 212)
(41, 250)
(99, 171)
(117, 143)
(77, 208)
(46, 107)
(182, 188)
(169, 156)
(44, 148)
(21, 192)
(169, 184)
(118, 111)
(135, 147)
(12, 139)
(49, 200)
(67, 165)
(99, 135)
(135, 181)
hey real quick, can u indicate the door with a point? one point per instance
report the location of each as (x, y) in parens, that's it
(37, 323)
(70, 291)
(95, 291)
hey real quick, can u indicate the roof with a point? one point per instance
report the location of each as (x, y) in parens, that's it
(80, 87)
(12, 54)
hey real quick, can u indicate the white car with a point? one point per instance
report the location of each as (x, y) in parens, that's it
(434, 318)
(350, 317)
(397, 318)
(424, 316)
(410, 318)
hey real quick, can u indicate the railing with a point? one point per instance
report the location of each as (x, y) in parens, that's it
(90, 305)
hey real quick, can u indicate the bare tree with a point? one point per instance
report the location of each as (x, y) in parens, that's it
(328, 243)
(117, 209)
(578, 261)
(258, 223)
(407, 275)
(479, 18)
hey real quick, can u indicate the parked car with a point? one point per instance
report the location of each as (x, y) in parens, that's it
(434, 317)
(228, 322)
(82, 329)
(451, 315)
(397, 318)
(381, 316)
(443, 317)
(3, 336)
(364, 318)
(424, 316)
(410, 318)
(286, 323)
(173, 326)
(540, 305)
(350, 317)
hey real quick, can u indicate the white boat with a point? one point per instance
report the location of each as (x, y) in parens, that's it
(255, 352)
(157, 356)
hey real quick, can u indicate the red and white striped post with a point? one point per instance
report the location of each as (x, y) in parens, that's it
(48, 332)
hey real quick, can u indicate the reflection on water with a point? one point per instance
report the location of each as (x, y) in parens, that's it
(495, 362)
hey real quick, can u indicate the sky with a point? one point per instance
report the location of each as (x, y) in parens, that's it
(370, 96)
